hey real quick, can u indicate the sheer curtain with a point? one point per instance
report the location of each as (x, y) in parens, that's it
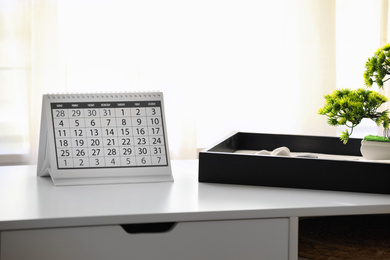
(14, 75)
(259, 66)
(223, 65)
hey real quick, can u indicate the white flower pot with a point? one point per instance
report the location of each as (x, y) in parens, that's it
(374, 150)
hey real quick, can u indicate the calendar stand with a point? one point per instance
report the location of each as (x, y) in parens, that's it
(104, 138)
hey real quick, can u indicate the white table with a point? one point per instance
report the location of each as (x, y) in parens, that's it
(212, 221)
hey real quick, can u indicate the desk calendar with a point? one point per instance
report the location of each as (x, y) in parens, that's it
(104, 138)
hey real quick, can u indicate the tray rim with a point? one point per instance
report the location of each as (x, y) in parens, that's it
(210, 148)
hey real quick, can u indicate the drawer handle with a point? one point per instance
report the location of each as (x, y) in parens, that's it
(148, 227)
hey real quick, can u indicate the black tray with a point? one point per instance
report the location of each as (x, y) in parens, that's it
(219, 164)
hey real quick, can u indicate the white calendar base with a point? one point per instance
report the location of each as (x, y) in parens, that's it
(111, 180)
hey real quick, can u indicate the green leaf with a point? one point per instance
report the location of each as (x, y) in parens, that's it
(344, 136)
(381, 58)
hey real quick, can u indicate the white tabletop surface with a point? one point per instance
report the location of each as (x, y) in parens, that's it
(28, 201)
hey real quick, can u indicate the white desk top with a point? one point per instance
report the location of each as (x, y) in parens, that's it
(28, 201)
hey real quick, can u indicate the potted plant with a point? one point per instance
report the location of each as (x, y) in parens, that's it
(346, 107)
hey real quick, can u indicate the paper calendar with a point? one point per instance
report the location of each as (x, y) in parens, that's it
(104, 138)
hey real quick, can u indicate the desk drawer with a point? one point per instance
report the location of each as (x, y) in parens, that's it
(233, 239)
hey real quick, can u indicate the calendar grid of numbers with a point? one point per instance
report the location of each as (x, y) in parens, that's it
(108, 134)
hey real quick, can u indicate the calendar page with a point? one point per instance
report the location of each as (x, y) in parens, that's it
(109, 138)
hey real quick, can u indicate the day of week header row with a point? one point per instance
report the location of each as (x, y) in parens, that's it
(106, 104)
